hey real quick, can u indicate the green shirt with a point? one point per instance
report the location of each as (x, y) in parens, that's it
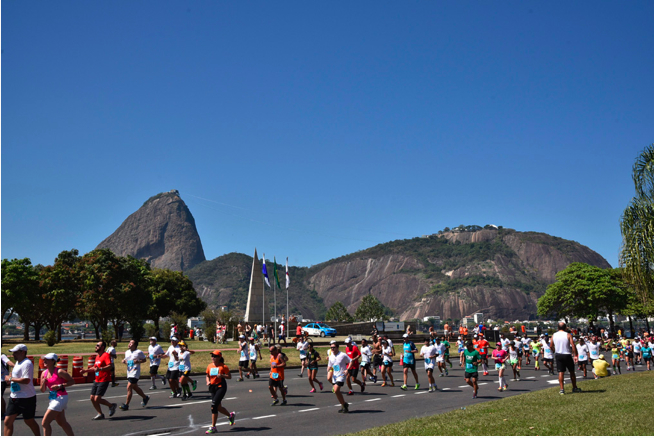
(470, 357)
(447, 347)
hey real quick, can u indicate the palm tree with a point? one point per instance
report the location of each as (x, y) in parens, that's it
(637, 227)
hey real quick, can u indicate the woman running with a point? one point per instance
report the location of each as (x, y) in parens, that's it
(646, 352)
(312, 363)
(500, 355)
(217, 372)
(514, 353)
(615, 356)
(582, 355)
(185, 371)
(387, 364)
(55, 380)
(630, 356)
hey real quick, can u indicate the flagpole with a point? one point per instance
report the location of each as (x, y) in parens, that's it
(288, 316)
(275, 295)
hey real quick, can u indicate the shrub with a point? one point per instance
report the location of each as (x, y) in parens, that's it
(50, 338)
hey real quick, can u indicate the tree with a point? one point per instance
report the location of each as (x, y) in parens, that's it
(637, 228)
(209, 320)
(20, 294)
(172, 291)
(338, 312)
(370, 309)
(60, 290)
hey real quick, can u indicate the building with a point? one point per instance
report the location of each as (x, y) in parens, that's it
(478, 317)
(194, 322)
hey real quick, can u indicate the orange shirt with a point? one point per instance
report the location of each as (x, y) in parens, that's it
(276, 373)
(220, 369)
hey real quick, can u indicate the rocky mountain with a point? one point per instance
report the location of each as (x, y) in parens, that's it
(162, 232)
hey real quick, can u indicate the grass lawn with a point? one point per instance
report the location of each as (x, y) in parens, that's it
(620, 405)
(199, 360)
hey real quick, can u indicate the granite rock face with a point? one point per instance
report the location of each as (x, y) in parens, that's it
(161, 232)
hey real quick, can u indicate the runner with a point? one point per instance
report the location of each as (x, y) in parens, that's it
(133, 359)
(366, 358)
(155, 352)
(312, 361)
(409, 361)
(354, 354)
(472, 359)
(243, 361)
(22, 400)
(548, 355)
(582, 351)
(482, 347)
(429, 354)
(594, 348)
(216, 374)
(282, 334)
(565, 355)
(535, 350)
(525, 348)
(615, 355)
(646, 351)
(446, 356)
(302, 347)
(637, 346)
(387, 362)
(185, 371)
(376, 356)
(600, 367)
(500, 356)
(102, 369)
(55, 381)
(172, 374)
(338, 366)
(440, 358)
(113, 355)
(460, 347)
(6, 363)
(279, 348)
(277, 365)
(513, 360)
(630, 356)
(255, 353)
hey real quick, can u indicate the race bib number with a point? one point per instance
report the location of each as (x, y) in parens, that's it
(275, 375)
(469, 366)
(242, 355)
(97, 374)
(171, 364)
(548, 351)
(130, 363)
(337, 368)
(303, 353)
(182, 367)
(151, 358)
(427, 361)
(52, 395)
(582, 358)
(213, 372)
(15, 387)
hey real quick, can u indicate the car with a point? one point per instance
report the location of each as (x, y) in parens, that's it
(319, 329)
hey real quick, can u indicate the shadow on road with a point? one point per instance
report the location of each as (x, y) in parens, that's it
(366, 411)
(132, 417)
(243, 429)
(164, 407)
(300, 404)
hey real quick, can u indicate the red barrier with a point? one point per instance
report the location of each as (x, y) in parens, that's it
(78, 366)
(62, 364)
(42, 368)
(34, 381)
(90, 377)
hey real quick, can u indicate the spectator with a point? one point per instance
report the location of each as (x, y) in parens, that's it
(601, 367)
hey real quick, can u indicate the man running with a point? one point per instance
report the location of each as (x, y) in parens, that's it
(440, 357)
(354, 354)
(338, 365)
(518, 346)
(244, 355)
(387, 362)
(366, 359)
(446, 355)
(482, 347)
(428, 353)
(302, 347)
(460, 346)
(472, 359)
(172, 374)
(409, 361)
(133, 359)
(155, 352)
(582, 350)
(535, 350)
(102, 369)
(111, 350)
(376, 356)
(22, 400)
(255, 354)
(216, 374)
(566, 355)
(548, 354)
(277, 365)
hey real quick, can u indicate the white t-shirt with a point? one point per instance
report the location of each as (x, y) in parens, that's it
(155, 351)
(339, 364)
(23, 370)
(505, 344)
(245, 351)
(429, 353)
(134, 369)
(366, 355)
(173, 364)
(303, 347)
(561, 343)
(582, 351)
(253, 352)
(112, 352)
(185, 361)
(547, 351)
(593, 350)
(5, 367)
(636, 347)
(387, 354)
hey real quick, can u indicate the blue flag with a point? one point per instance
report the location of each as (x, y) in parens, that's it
(265, 271)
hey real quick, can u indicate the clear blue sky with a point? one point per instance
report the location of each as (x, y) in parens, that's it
(312, 130)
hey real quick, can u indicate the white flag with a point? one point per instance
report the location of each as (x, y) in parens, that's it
(288, 279)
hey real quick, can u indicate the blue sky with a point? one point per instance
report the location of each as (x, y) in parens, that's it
(313, 130)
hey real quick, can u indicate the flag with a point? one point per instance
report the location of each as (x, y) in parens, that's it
(265, 271)
(288, 279)
(275, 272)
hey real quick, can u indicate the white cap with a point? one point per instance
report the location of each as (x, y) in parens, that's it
(348, 340)
(19, 347)
(51, 356)
(153, 338)
(405, 335)
(174, 338)
(332, 342)
(242, 336)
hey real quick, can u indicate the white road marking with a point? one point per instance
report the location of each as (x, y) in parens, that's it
(552, 382)
(401, 395)
(531, 377)
(479, 384)
(265, 416)
(189, 403)
(446, 389)
(464, 386)
(307, 410)
(373, 399)
(422, 392)
(230, 398)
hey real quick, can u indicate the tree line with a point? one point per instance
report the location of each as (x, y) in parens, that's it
(100, 287)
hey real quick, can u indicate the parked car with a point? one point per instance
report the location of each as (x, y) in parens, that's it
(319, 329)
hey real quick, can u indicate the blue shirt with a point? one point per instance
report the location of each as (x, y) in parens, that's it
(409, 357)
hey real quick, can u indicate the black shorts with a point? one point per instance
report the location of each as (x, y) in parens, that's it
(154, 369)
(353, 372)
(99, 388)
(243, 363)
(366, 367)
(474, 375)
(217, 394)
(339, 383)
(275, 383)
(519, 353)
(25, 406)
(409, 365)
(172, 375)
(377, 360)
(647, 359)
(564, 362)
(133, 380)
(547, 360)
(484, 357)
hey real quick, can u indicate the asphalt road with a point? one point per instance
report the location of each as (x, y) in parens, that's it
(305, 414)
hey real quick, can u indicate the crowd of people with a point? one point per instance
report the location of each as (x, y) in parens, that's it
(373, 360)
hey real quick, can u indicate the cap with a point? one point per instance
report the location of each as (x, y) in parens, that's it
(51, 356)
(153, 338)
(332, 342)
(348, 340)
(242, 336)
(601, 356)
(182, 343)
(216, 353)
(405, 335)
(174, 339)
(252, 339)
(474, 336)
(19, 347)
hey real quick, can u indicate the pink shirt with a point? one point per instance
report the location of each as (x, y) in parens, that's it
(55, 379)
(500, 355)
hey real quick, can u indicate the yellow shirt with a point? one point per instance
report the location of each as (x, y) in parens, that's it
(601, 367)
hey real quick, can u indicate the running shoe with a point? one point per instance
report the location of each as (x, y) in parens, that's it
(417, 386)
(344, 409)
(195, 385)
(283, 403)
(313, 390)
(499, 389)
(240, 379)
(375, 379)
(184, 397)
(163, 380)
(98, 417)
(392, 383)
(403, 387)
(450, 365)
(285, 389)
(211, 430)
(232, 418)
(576, 389)
(383, 384)
(300, 375)
(350, 393)
(506, 388)
(561, 392)
(474, 395)
(363, 386)
(275, 402)
(485, 373)
(320, 384)
(190, 394)
(123, 407)
(441, 375)
(152, 388)
(446, 373)
(430, 389)
(113, 385)
(247, 375)
(145, 401)
(112, 409)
